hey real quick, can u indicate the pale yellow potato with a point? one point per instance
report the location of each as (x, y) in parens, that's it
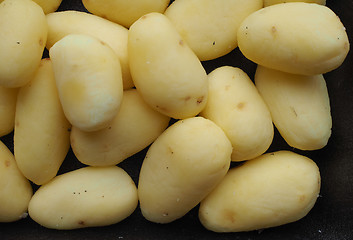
(236, 106)
(15, 189)
(122, 11)
(272, 2)
(23, 38)
(166, 72)
(87, 197)
(299, 38)
(48, 6)
(299, 105)
(88, 79)
(134, 128)
(210, 26)
(274, 189)
(8, 98)
(41, 135)
(114, 35)
(181, 167)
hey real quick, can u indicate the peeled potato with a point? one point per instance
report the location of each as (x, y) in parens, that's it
(8, 98)
(274, 189)
(272, 2)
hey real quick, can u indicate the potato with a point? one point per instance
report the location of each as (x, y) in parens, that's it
(298, 38)
(23, 37)
(181, 167)
(299, 105)
(272, 2)
(48, 6)
(235, 105)
(41, 136)
(114, 35)
(274, 189)
(210, 26)
(15, 189)
(166, 72)
(87, 197)
(89, 81)
(122, 11)
(8, 98)
(134, 128)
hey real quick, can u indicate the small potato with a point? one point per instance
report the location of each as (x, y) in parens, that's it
(236, 106)
(41, 136)
(166, 72)
(15, 189)
(134, 128)
(23, 37)
(271, 190)
(87, 197)
(122, 11)
(8, 98)
(89, 81)
(299, 105)
(181, 167)
(210, 26)
(272, 2)
(114, 35)
(299, 38)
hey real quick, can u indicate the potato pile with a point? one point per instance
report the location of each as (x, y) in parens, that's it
(130, 76)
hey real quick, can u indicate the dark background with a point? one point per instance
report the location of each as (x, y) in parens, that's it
(331, 217)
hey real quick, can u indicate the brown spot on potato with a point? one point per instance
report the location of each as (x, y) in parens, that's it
(7, 163)
(273, 30)
(346, 45)
(294, 111)
(81, 222)
(200, 100)
(144, 17)
(302, 198)
(41, 42)
(103, 43)
(187, 98)
(170, 150)
(162, 108)
(229, 216)
(241, 105)
(181, 42)
(227, 87)
(17, 124)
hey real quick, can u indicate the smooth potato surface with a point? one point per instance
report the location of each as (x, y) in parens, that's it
(181, 167)
(271, 190)
(299, 38)
(8, 98)
(272, 2)
(23, 38)
(299, 105)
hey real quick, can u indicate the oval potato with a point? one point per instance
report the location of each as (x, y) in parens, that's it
(124, 12)
(41, 136)
(8, 98)
(272, 2)
(87, 197)
(88, 79)
(299, 105)
(308, 39)
(134, 128)
(274, 189)
(15, 189)
(114, 35)
(181, 167)
(166, 72)
(210, 26)
(236, 106)
(23, 38)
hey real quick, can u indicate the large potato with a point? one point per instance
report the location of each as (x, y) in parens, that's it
(48, 6)
(8, 98)
(114, 35)
(41, 136)
(166, 72)
(87, 197)
(135, 127)
(23, 37)
(272, 2)
(299, 105)
(271, 190)
(89, 81)
(297, 37)
(236, 106)
(15, 189)
(181, 167)
(122, 11)
(210, 26)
